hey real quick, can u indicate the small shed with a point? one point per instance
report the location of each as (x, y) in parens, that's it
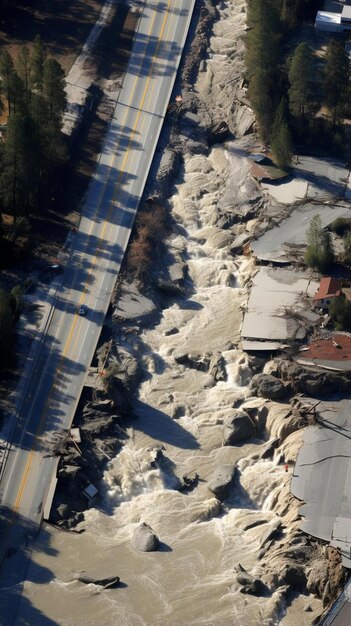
(328, 22)
(329, 288)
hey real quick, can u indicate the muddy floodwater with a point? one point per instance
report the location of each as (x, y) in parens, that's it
(192, 579)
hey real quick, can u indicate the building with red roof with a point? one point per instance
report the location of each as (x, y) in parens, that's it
(329, 288)
(332, 352)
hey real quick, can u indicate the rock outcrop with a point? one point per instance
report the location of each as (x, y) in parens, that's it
(106, 583)
(238, 427)
(250, 585)
(313, 382)
(268, 386)
(144, 539)
(220, 482)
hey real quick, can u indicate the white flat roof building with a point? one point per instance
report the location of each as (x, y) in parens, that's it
(346, 14)
(329, 22)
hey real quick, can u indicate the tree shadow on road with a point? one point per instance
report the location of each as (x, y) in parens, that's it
(17, 535)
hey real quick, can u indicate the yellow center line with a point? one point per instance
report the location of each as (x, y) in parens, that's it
(121, 174)
(119, 181)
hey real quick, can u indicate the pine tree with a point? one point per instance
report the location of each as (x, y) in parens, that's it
(263, 37)
(262, 60)
(6, 71)
(340, 312)
(50, 154)
(281, 142)
(23, 67)
(17, 93)
(260, 94)
(54, 88)
(336, 81)
(282, 146)
(37, 63)
(288, 13)
(300, 72)
(319, 253)
(17, 175)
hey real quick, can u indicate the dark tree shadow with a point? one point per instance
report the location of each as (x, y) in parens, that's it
(17, 534)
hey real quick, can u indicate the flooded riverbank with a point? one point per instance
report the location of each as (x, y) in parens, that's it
(194, 377)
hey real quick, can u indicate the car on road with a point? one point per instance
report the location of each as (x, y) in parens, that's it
(83, 309)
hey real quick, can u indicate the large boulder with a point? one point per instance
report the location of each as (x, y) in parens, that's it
(144, 539)
(267, 386)
(238, 427)
(109, 582)
(314, 383)
(217, 368)
(221, 480)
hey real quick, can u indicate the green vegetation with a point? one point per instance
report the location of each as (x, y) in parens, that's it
(300, 74)
(341, 226)
(32, 158)
(278, 74)
(336, 81)
(281, 141)
(340, 313)
(33, 154)
(319, 254)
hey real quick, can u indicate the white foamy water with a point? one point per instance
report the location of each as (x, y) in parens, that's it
(192, 579)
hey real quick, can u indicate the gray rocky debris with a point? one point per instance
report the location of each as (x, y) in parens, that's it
(239, 243)
(292, 575)
(171, 331)
(189, 482)
(267, 386)
(220, 481)
(238, 427)
(169, 287)
(217, 368)
(109, 582)
(250, 585)
(144, 539)
(218, 132)
(193, 362)
(258, 414)
(167, 169)
(313, 382)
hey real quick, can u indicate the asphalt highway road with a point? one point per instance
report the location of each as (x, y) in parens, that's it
(67, 349)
